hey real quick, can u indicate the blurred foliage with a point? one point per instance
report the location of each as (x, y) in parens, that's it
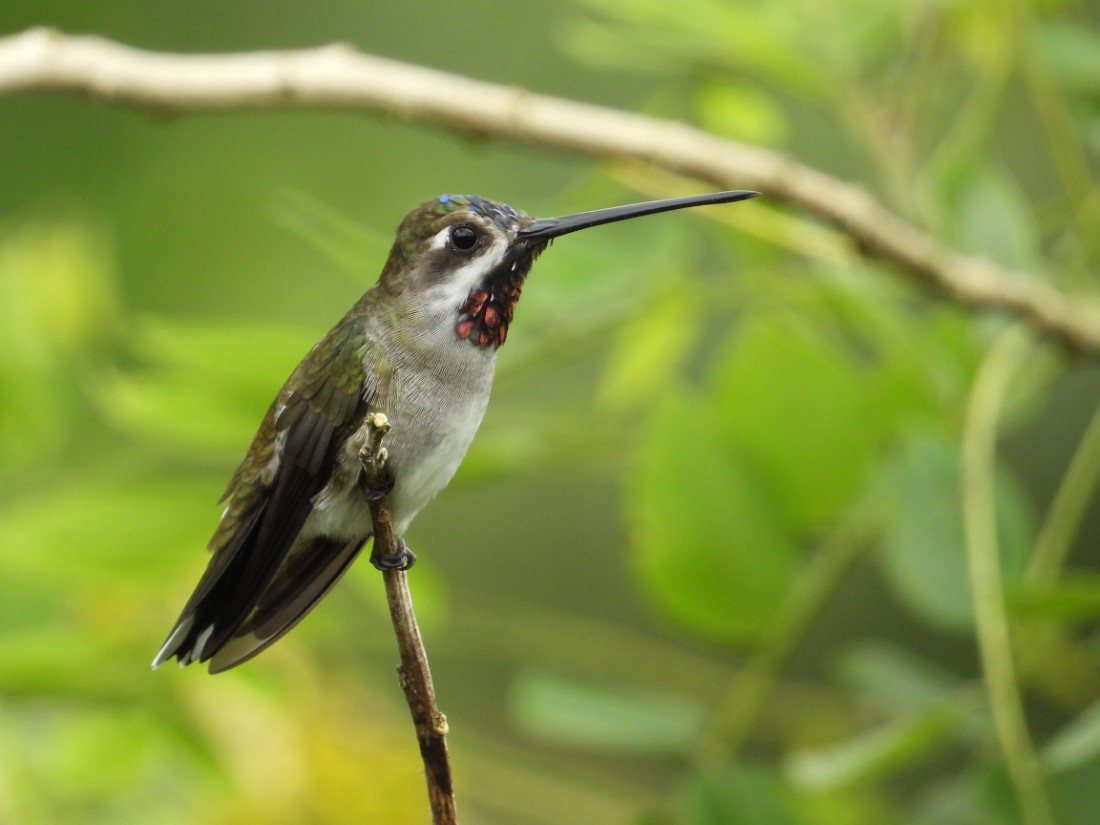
(708, 561)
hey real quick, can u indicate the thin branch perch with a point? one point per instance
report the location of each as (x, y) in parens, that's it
(413, 672)
(339, 77)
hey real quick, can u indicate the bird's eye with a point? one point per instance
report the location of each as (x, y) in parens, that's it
(463, 238)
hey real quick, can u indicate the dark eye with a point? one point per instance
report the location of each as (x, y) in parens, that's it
(463, 238)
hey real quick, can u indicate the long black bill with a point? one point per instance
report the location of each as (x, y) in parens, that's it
(548, 228)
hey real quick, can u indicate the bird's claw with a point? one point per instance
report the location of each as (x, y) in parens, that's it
(403, 559)
(375, 493)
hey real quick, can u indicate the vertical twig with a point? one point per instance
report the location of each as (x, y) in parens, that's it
(979, 464)
(1075, 493)
(413, 673)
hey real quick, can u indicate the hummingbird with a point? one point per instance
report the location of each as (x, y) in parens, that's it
(419, 346)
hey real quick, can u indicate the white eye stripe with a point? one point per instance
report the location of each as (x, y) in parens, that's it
(442, 237)
(453, 290)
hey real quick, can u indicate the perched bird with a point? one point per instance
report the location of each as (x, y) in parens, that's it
(419, 346)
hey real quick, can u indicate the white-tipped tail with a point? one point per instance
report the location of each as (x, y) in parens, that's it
(169, 649)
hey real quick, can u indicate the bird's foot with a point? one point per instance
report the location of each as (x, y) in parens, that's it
(375, 493)
(403, 559)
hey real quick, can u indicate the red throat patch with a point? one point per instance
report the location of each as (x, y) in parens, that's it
(484, 317)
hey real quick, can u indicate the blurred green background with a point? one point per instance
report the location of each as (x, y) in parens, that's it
(707, 560)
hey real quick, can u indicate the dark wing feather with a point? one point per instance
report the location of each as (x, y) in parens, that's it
(269, 500)
(305, 578)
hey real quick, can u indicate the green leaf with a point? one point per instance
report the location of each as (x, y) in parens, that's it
(1072, 52)
(802, 411)
(650, 349)
(80, 537)
(994, 219)
(57, 291)
(342, 239)
(924, 548)
(745, 795)
(1077, 743)
(659, 36)
(243, 355)
(58, 318)
(876, 753)
(896, 678)
(1074, 597)
(180, 414)
(564, 712)
(1075, 793)
(711, 547)
(98, 752)
(741, 112)
(206, 386)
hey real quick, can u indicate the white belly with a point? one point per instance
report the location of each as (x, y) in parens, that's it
(428, 439)
(427, 468)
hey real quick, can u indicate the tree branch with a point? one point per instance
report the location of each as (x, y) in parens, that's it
(413, 673)
(337, 76)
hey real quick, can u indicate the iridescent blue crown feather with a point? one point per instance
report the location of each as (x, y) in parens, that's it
(499, 213)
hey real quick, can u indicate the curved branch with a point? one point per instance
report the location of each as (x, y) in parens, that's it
(337, 76)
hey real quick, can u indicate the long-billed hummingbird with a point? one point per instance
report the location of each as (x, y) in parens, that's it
(419, 346)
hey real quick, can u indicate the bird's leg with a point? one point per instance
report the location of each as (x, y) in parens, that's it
(375, 483)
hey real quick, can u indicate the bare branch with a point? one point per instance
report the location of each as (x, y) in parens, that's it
(413, 672)
(337, 76)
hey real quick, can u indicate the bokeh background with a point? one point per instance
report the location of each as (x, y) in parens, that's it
(707, 560)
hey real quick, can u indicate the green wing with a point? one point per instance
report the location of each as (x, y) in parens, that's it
(251, 581)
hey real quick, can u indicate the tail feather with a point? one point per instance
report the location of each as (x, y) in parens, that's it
(222, 627)
(287, 601)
